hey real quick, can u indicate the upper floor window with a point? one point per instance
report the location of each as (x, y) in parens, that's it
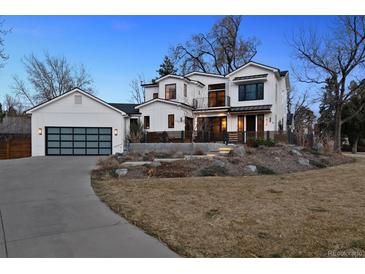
(249, 92)
(170, 91)
(216, 95)
(185, 90)
(155, 95)
(171, 121)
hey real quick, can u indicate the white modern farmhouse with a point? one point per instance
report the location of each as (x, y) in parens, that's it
(208, 107)
(199, 107)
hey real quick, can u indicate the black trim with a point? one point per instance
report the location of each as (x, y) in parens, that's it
(72, 133)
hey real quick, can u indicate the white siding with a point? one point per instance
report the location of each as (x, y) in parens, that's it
(159, 111)
(65, 113)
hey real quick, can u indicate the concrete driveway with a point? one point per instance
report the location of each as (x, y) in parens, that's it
(48, 209)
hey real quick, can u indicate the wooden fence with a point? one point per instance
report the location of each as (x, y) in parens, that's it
(15, 146)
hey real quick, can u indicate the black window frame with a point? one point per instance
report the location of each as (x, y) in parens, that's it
(173, 93)
(144, 122)
(242, 92)
(74, 141)
(155, 95)
(173, 120)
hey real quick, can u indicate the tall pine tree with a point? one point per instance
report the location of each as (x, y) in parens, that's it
(167, 67)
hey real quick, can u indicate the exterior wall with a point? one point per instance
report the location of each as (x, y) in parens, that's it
(149, 91)
(179, 90)
(159, 111)
(232, 123)
(275, 94)
(65, 113)
(202, 93)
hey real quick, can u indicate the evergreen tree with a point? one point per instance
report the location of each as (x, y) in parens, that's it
(326, 120)
(2, 113)
(354, 128)
(167, 67)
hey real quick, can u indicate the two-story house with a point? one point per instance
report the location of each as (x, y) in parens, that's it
(199, 106)
(252, 100)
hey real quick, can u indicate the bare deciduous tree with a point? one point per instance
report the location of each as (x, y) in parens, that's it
(13, 106)
(3, 32)
(50, 78)
(337, 57)
(136, 90)
(221, 51)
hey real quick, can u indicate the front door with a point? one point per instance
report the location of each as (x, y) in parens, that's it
(251, 123)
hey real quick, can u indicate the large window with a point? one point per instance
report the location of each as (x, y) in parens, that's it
(146, 123)
(216, 95)
(251, 92)
(171, 121)
(170, 91)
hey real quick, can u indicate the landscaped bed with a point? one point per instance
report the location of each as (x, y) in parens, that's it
(316, 213)
(255, 161)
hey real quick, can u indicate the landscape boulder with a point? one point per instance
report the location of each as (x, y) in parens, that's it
(304, 162)
(239, 151)
(250, 169)
(121, 172)
(318, 147)
(294, 151)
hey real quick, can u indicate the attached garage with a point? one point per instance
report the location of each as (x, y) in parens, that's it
(77, 123)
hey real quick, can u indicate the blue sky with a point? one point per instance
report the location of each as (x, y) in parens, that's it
(115, 49)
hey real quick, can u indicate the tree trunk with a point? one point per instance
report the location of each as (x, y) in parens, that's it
(337, 137)
(355, 141)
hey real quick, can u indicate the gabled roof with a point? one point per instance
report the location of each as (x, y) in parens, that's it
(127, 108)
(258, 65)
(180, 77)
(163, 101)
(205, 74)
(30, 111)
(257, 76)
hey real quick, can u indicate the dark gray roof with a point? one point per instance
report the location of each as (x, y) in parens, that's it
(283, 73)
(250, 77)
(251, 108)
(127, 108)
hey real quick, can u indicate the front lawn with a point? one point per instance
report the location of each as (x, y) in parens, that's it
(317, 213)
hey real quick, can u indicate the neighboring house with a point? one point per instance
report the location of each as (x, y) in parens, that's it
(251, 99)
(199, 106)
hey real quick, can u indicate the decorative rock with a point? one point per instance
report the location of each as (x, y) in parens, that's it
(239, 151)
(167, 160)
(155, 164)
(141, 163)
(304, 162)
(250, 169)
(121, 172)
(318, 147)
(219, 163)
(295, 152)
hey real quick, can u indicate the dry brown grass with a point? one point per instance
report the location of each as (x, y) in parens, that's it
(305, 214)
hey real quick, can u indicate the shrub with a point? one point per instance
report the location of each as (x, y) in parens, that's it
(136, 132)
(263, 142)
(198, 151)
(109, 163)
(150, 156)
(264, 170)
(317, 164)
(213, 170)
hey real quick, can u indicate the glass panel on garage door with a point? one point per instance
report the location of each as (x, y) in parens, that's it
(78, 141)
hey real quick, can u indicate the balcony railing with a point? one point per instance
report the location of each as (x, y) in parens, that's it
(211, 102)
